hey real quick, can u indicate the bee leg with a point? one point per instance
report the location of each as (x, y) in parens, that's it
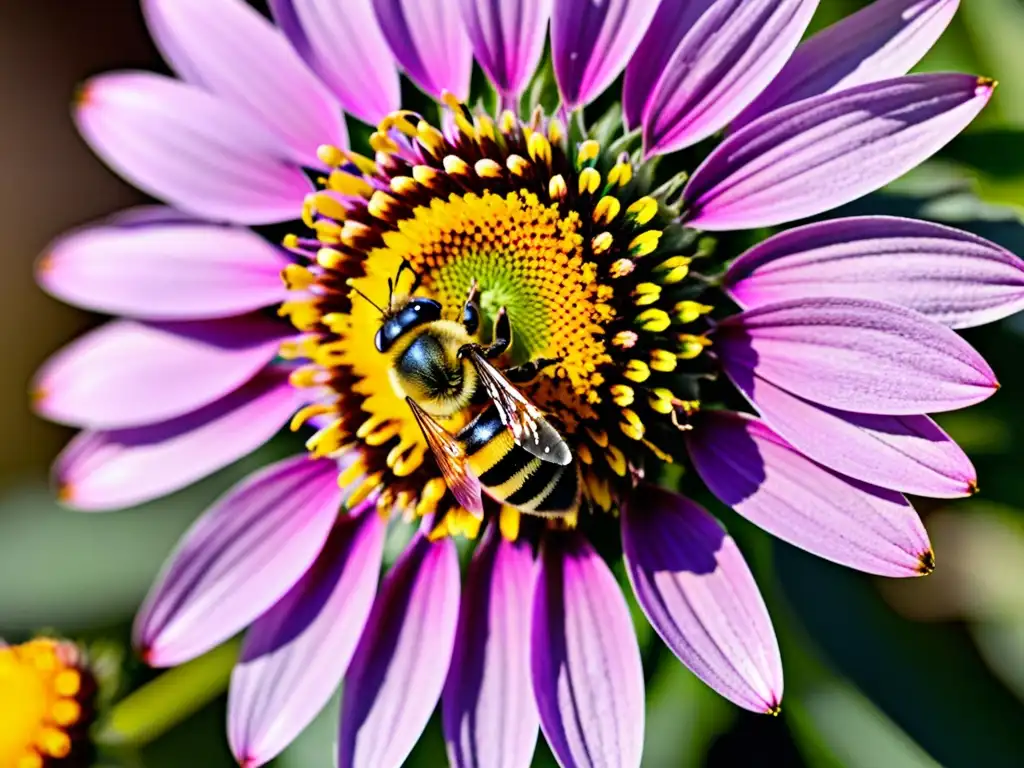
(471, 311)
(502, 336)
(521, 374)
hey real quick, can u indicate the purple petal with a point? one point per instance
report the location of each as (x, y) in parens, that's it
(826, 151)
(361, 70)
(722, 63)
(228, 48)
(190, 148)
(953, 277)
(490, 717)
(695, 587)
(238, 559)
(507, 38)
(127, 374)
(904, 453)
(856, 355)
(592, 42)
(585, 660)
(885, 39)
(430, 42)
(169, 271)
(297, 652)
(399, 668)
(99, 471)
(773, 485)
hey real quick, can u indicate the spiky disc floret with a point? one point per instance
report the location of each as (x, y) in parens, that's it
(562, 233)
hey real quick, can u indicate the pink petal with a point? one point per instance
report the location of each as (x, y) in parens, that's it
(695, 587)
(722, 63)
(111, 470)
(430, 42)
(164, 271)
(826, 151)
(238, 559)
(399, 668)
(297, 652)
(127, 374)
(885, 39)
(228, 48)
(904, 453)
(508, 39)
(592, 42)
(855, 355)
(587, 675)
(770, 483)
(361, 71)
(196, 151)
(490, 717)
(953, 277)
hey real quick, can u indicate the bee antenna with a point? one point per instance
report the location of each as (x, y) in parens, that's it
(391, 293)
(369, 301)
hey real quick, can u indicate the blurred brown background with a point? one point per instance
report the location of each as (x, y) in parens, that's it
(49, 181)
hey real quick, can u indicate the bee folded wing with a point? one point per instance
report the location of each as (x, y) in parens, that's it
(531, 430)
(451, 459)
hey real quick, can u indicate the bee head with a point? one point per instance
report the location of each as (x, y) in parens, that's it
(412, 314)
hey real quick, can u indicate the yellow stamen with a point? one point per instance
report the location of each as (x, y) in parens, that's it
(297, 278)
(631, 425)
(589, 181)
(602, 242)
(643, 210)
(330, 155)
(487, 168)
(557, 188)
(589, 150)
(606, 210)
(645, 243)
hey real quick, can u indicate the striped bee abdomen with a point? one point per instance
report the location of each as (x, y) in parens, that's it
(514, 476)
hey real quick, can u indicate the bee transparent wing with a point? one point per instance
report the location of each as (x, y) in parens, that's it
(531, 430)
(451, 459)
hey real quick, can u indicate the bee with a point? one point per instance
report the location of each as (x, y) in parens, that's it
(509, 449)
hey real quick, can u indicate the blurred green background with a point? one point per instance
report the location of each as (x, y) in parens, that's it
(928, 672)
